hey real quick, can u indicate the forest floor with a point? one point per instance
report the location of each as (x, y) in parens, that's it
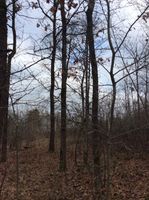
(40, 179)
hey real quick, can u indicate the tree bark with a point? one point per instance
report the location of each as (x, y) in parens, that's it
(7, 71)
(63, 90)
(87, 87)
(3, 79)
(95, 134)
(52, 104)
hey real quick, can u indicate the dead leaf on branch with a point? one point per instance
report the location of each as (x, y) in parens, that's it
(74, 5)
(61, 1)
(145, 17)
(34, 5)
(53, 9)
(37, 25)
(45, 28)
(71, 4)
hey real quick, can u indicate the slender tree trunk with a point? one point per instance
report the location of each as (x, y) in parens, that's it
(3, 78)
(82, 97)
(52, 108)
(87, 87)
(112, 107)
(63, 90)
(146, 92)
(127, 97)
(95, 135)
(7, 82)
(138, 95)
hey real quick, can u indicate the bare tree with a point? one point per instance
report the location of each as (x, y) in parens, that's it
(52, 130)
(96, 140)
(63, 88)
(3, 74)
(7, 79)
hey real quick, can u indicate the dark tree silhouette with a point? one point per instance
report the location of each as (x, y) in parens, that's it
(3, 74)
(52, 131)
(63, 89)
(95, 133)
(6, 56)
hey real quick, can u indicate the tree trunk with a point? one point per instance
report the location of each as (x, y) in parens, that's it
(146, 92)
(52, 108)
(95, 135)
(3, 80)
(63, 91)
(87, 87)
(7, 71)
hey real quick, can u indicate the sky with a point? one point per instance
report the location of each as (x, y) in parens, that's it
(30, 31)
